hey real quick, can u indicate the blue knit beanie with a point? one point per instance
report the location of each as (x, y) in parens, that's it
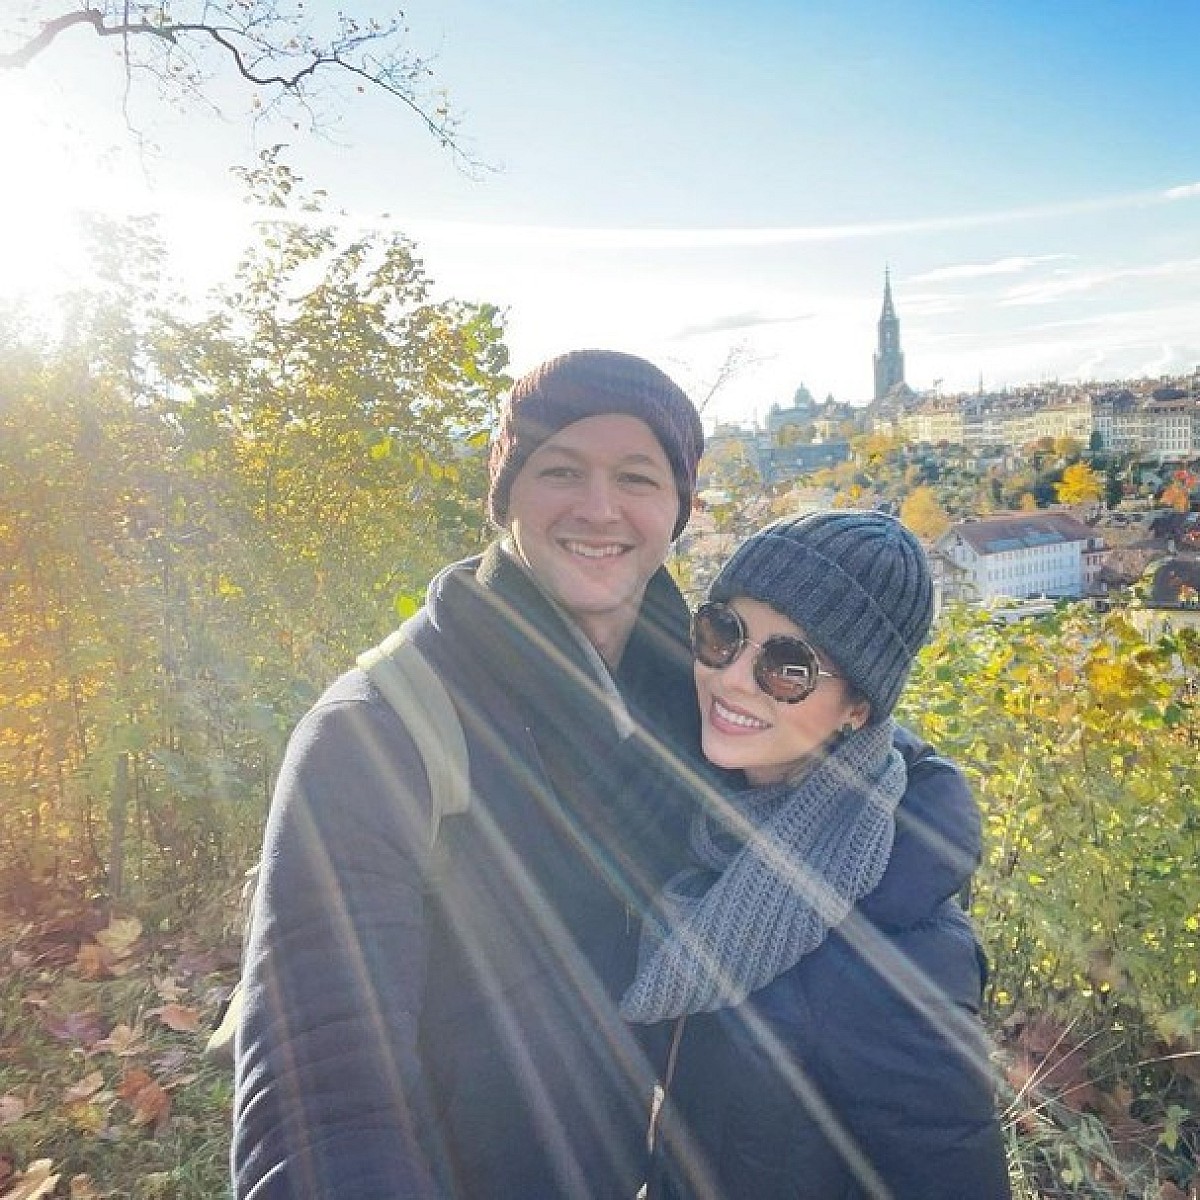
(588, 383)
(857, 583)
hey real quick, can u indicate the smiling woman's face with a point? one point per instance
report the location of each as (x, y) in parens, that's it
(743, 728)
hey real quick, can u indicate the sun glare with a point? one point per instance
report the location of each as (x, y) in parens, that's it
(52, 168)
(40, 190)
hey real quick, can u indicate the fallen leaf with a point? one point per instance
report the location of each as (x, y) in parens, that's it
(82, 1188)
(151, 1104)
(74, 1027)
(12, 1108)
(122, 1041)
(178, 1017)
(173, 1060)
(21, 960)
(170, 991)
(91, 962)
(119, 937)
(34, 1182)
(89, 1085)
(119, 966)
(87, 1115)
(132, 1082)
(8, 1169)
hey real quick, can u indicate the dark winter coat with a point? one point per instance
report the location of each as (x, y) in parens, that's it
(446, 1026)
(869, 1051)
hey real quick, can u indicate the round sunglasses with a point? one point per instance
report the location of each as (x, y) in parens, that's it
(786, 668)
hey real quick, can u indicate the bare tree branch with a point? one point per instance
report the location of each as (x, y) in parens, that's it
(24, 55)
(268, 46)
(738, 359)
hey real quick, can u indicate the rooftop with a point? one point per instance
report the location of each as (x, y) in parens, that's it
(1021, 531)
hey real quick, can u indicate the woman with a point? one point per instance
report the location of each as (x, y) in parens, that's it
(824, 982)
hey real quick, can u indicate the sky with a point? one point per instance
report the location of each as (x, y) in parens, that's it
(709, 184)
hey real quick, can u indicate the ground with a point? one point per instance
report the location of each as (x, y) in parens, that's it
(104, 1088)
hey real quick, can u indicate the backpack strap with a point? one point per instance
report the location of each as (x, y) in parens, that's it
(415, 690)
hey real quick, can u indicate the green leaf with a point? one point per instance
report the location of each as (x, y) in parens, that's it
(405, 605)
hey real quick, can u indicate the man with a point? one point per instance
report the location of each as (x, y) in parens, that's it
(443, 1022)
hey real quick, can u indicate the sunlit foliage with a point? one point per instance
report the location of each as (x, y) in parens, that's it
(203, 517)
(1082, 742)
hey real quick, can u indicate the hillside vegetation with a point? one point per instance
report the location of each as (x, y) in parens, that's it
(203, 516)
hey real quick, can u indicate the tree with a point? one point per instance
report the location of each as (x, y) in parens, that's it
(737, 359)
(1080, 484)
(875, 448)
(283, 58)
(203, 516)
(337, 403)
(728, 462)
(1114, 487)
(1175, 495)
(1067, 448)
(1071, 729)
(923, 513)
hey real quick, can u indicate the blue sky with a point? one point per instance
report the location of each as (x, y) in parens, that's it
(691, 180)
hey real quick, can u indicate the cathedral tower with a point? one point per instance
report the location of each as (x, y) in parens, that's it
(889, 361)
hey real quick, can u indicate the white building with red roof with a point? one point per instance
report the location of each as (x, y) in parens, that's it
(1025, 554)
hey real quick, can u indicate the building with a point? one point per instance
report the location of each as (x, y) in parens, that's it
(1173, 423)
(777, 464)
(951, 581)
(1120, 422)
(1172, 601)
(1025, 554)
(889, 361)
(801, 416)
(1147, 420)
(934, 422)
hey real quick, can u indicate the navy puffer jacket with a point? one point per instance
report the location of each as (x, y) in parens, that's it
(445, 1027)
(862, 1071)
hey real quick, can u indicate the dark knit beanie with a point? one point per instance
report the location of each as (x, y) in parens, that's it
(587, 383)
(856, 582)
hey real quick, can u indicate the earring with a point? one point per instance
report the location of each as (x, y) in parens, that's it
(848, 727)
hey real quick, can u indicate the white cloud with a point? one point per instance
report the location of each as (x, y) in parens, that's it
(734, 322)
(1185, 191)
(1163, 362)
(933, 305)
(1051, 290)
(579, 238)
(1003, 266)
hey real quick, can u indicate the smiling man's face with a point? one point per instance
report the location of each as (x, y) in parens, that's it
(591, 513)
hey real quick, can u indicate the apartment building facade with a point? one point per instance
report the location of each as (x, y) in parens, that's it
(1164, 423)
(1024, 554)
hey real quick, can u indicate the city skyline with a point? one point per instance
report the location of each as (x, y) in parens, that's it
(693, 183)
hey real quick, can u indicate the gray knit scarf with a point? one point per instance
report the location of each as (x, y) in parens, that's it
(779, 867)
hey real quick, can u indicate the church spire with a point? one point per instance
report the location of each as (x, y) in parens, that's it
(889, 309)
(889, 361)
